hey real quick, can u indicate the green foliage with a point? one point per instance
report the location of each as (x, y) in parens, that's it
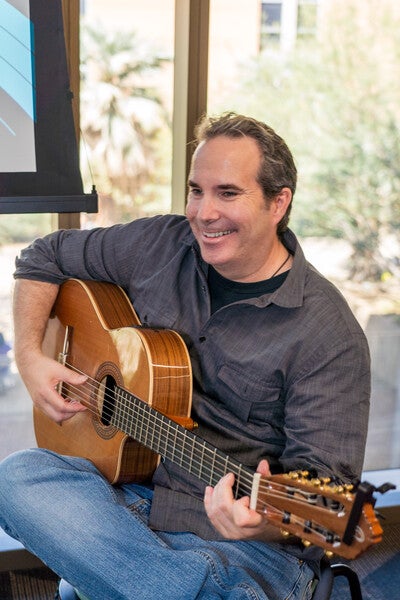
(336, 101)
(23, 228)
(122, 115)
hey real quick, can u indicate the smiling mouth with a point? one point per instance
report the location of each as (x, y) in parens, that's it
(217, 234)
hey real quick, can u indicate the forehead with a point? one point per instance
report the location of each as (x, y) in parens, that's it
(226, 158)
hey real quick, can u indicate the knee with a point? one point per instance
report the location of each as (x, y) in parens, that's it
(22, 469)
(13, 470)
(13, 484)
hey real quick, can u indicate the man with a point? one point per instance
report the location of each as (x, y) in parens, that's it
(280, 382)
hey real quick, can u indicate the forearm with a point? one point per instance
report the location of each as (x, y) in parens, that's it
(32, 304)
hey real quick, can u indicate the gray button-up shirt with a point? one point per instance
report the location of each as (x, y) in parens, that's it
(284, 376)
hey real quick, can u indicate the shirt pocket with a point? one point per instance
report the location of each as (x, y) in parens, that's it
(249, 397)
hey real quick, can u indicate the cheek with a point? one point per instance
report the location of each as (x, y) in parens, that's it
(190, 210)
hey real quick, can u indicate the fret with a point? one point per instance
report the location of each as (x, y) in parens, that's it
(212, 470)
(116, 415)
(141, 430)
(146, 425)
(201, 462)
(226, 470)
(152, 441)
(172, 441)
(183, 447)
(125, 415)
(190, 467)
(163, 446)
(237, 482)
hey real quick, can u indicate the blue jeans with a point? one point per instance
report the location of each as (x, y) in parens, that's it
(96, 536)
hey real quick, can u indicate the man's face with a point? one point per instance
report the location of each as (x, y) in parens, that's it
(228, 214)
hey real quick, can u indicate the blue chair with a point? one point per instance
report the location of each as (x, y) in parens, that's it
(67, 592)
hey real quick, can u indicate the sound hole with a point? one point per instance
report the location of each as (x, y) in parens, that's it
(106, 397)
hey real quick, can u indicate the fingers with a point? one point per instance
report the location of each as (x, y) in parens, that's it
(42, 380)
(263, 468)
(56, 406)
(232, 518)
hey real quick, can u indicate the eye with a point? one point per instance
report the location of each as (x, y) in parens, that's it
(229, 194)
(195, 191)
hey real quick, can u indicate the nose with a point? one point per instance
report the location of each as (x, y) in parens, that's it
(207, 209)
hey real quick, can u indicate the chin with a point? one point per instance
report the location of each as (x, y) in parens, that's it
(213, 257)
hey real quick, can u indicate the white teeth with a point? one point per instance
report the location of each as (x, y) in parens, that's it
(217, 234)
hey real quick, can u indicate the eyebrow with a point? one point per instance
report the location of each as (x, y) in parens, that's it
(221, 186)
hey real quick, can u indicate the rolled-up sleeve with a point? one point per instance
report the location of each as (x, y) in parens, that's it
(113, 254)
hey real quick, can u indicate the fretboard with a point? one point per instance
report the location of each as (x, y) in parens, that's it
(175, 443)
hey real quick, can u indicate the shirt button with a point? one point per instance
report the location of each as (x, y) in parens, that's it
(202, 339)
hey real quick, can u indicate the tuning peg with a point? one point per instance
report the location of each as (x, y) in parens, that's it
(316, 482)
(285, 533)
(328, 553)
(306, 543)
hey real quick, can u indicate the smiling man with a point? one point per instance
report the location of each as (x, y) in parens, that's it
(280, 382)
(229, 214)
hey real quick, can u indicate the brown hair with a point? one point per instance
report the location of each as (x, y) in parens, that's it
(277, 168)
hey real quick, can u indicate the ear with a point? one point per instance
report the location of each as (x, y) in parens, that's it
(281, 203)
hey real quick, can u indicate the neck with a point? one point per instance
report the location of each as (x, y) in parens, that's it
(279, 260)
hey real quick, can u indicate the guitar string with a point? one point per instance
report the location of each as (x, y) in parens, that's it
(278, 492)
(189, 462)
(142, 407)
(161, 422)
(315, 528)
(273, 493)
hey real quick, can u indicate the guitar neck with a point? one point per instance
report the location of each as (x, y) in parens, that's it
(175, 443)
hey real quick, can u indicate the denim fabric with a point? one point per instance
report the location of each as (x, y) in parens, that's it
(96, 536)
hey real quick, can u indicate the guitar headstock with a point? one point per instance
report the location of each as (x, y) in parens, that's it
(339, 518)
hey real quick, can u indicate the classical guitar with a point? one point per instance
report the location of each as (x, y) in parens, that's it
(138, 395)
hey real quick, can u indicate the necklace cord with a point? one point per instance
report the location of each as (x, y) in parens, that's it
(281, 266)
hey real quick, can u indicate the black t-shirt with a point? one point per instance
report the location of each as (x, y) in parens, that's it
(225, 291)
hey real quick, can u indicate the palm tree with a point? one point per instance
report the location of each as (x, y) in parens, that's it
(121, 113)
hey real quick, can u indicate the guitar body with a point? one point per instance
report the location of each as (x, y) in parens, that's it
(94, 329)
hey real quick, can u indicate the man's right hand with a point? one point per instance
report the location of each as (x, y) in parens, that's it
(33, 301)
(41, 377)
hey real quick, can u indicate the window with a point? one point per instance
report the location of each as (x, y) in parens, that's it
(271, 14)
(301, 90)
(307, 17)
(284, 22)
(127, 52)
(297, 100)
